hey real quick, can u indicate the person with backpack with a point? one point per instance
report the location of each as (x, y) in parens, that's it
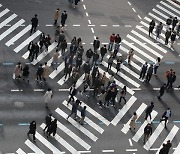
(72, 93)
(147, 132)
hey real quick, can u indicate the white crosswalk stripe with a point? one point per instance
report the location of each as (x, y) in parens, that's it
(154, 136)
(20, 151)
(6, 21)
(170, 7)
(176, 5)
(33, 147)
(87, 120)
(19, 35)
(139, 111)
(26, 42)
(75, 124)
(170, 136)
(177, 149)
(123, 111)
(4, 12)
(11, 29)
(63, 142)
(160, 13)
(140, 131)
(157, 18)
(56, 72)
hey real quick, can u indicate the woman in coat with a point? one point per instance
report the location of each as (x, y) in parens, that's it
(56, 16)
(151, 26)
(48, 96)
(133, 120)
(173, 38)
(45, 71)
(130, 55)
(159, 29)
(18, 71)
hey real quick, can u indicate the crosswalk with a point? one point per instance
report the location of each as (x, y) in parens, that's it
(145, 49)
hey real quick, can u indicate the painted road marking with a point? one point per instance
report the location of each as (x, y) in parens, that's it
(92, 29)
(2, 24)
(4, 12)
(177, 149)
(130, 142)
(20, 151)
(170, 1)
(133, 9)
(172, 8)
(87, 14)
(20, 34)
(123, 111)
(56, 72)
(157, 18)
(107, 151)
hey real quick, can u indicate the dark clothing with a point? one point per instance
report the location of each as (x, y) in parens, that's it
(72, 94)
(149, 74)
(52, 128)
(89, 53)
(48, 122)
(151, 27)
(167, 35)
(149, 110)
(63, 18)
(168, 145)
(31, 48)
(161, 92)
(147, 132)
(87, 68)
(96, 45)
(74, 110)
(174, 22)
(173, 37)
(32, 129)
(163, 150)
(118, 39)
(103, 51)
(36, 52)
(41, 40)
(34, 22)
(39, 73)
(143, 71)
(169, 21)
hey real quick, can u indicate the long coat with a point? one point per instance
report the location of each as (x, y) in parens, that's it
(46, 71)
(47, 96)
(56, 15)
(18, 70)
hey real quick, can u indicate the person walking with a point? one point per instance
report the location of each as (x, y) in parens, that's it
(151, 26)
(101, 98)
(32, 130)
(47, 97)
(107, 98)
(122, 95)
(41, 40)
(57, 33)
(55, 59)
(164, 149)
(61, 38)
(63, 20)
(18, 71)
(156, 65)
(117, 45)
(167, 36)
(89, 54)
(143, 71)
(83, 115)
(111, 42)
(47, 41)
(173, 38)
(149, 110)
(31, 48)
(168, 145)
(147, 132)
(178, 28)
(174, 23)
(34, 22)
(56, 16)
(165, 116)
(130, 55)
(103, 52)
(52, 128)
(161, 91)
(149, 73)
(169, 22)
(158, 31)
(46, 71)
(96, 44)
(132, 122)
(118, 65)
(48, 120)
(63, 47)
(36, 52)
(74, 109)
(171, 79)
(72, 93)
(39, 73)
(110, 62)
(25, 73)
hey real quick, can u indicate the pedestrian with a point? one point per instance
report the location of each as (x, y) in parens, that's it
(122, 95)
(167, 36)
(76, 2)
(165, 116)
(52, 128)
(47, 97)
(32, 130)
(161, 91)
(95, 58)
(83, 115)
(149, 73)
(63, 47)
(174, 23)
(47, 41)
(67, 71)
(147, 132)
(86, 69)
(113, 96)
(107, 98)
(89, 54)
(169, 22)
(31, 48)
(61, 38)
(118, 65)
(168, 145)
(72, 93)
(143, 71)
(178, 28)
(103, 52)
(55, 59)
(46, 71)
(34, 22)
(151, 26)
(163, 150)
(96, 44)
(75, 76)
(57, 33)
(110, 62)
(149, 110)
(48, 120)
(111, 42)
(74, 109)
(103, 79)
(17, 71)
(63, 20)
(39, 73)
(130, 55)
(117, 45)
(132, 122)
(159, 28)
(56, 16)
(25, 73)
(36, 52)
(173, 38)
(41, 40)
(101, 98)
(171, 79)
(156, 65)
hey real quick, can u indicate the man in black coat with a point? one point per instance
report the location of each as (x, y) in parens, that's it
(63, 19)
(39, 73)
(103, 52)
(163, 150)
(89, 54)
(147, 132)
(74, 109)
(34, 22)
(48, 121)
(96, 44)
(32, 130)
(149, 73)
(161, 91)
(72, 93)
(143, 71)
(149, 110)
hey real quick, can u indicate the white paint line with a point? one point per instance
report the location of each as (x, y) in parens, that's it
(87, 120)
(140, 131)
(133, 9)
(75, 124)
(139, 111)
(107, 151)
(49, 25)
(160, 13)
(115, 25)
(84, 6)
(170, 1)
(136, 89)
(76, 25)
(4, 12)
(154, 136)
(104, 43)
(20, 151)
(172, 8)
(92, 29)
(11, 29)
(103, 25)
(170, 136)
(128, 26)
(2, 24)
(7, 25)
(0, 5)
(17, 36)
(14, 90)
(157, 18)
(139, 17)
(23, 25)
(124, 110)
(130, 142)
(84, 151)
(80, 80)
(87, 14)
(89, 21)
(129, 3)
(91, 25)
(177, 149)
(63, 142)
(131, 150)
(56, 72)
(33, 147)
(38, 89)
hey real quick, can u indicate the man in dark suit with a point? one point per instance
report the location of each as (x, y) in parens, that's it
(34, 22)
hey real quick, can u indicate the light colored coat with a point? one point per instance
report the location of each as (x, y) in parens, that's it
(132, 123)
(56, 15)
(18, 70)
(48, 96)
(46, 71)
